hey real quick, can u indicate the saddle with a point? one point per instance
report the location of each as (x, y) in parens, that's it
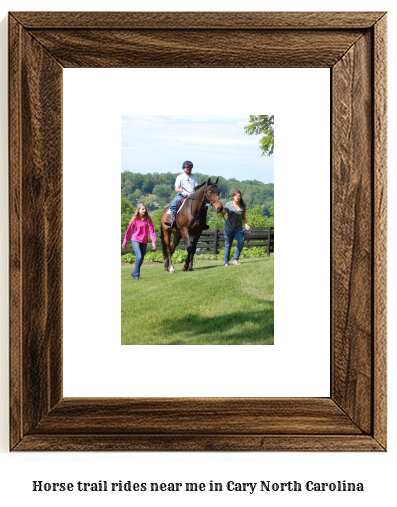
(180, 204)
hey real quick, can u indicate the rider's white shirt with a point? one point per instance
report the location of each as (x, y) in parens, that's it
(189, 183)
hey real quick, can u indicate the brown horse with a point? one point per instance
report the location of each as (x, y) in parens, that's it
(190, 221)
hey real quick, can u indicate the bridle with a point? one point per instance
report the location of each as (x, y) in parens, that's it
(211, 201)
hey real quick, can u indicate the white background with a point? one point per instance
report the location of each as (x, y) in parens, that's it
(298, 364)
(375, 470)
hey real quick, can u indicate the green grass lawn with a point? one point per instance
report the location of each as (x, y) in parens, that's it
(211, 305)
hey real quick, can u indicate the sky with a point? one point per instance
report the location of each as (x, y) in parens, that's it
(217, 146)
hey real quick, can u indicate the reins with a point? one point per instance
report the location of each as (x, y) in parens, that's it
(196, 199)
(196, 216)
(201, 201)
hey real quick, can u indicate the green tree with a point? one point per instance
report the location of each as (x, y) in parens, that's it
(149, 200)
(255, 217)
(127, 210)
(162, 191)
(156, 215)
(148, 184)
(222, 184)
(201, 177)
(215, 220)
(136, 195)
(262, 124)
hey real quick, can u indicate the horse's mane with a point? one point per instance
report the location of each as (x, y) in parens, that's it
(211, 184)
(199, 186)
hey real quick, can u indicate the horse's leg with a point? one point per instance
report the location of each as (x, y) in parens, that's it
(165, 241)
(172, 247)
(193, 247)
(175, 243)
(170, 252)
(186, 239)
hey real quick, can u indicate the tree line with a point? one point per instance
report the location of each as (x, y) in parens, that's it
(156, 190)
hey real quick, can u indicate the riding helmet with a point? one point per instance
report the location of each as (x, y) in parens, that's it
(187, 163)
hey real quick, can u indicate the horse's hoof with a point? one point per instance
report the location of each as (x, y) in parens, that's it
(183, 268)
(172, 270)
(191, 269)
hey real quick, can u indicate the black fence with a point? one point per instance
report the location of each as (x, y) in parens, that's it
(213, 240)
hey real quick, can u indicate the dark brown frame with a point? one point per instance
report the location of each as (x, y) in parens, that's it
(353, 46)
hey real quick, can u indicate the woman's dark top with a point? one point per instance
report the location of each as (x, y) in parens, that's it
(234, 217)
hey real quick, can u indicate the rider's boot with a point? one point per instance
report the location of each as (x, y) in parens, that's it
(169, 223)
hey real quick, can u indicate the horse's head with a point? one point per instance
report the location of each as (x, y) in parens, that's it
(213, 194)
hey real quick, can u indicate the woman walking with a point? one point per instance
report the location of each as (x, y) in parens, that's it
(140, 227)
(234, 226)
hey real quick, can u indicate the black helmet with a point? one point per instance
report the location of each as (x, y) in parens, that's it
(187, 163)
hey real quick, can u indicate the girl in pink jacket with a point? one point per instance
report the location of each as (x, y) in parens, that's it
(140, 226)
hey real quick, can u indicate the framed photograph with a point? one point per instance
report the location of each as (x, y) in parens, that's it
(353, 46)
(207, 305)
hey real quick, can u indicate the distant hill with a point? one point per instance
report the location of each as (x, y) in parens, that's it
(156, 190)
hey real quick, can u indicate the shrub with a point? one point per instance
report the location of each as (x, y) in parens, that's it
(127, 210)
(180, 255)
(150, 256)
(246, 253)
(253, 252)
(128, 258)
(154, 257)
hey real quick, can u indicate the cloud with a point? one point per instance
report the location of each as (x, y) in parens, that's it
(211, 141)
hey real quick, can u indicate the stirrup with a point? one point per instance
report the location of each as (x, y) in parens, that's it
(169, 223)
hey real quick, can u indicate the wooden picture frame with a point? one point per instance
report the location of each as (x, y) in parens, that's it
(353, 46)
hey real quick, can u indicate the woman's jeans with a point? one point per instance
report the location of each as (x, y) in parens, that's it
(140, 250)
(229, 236)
